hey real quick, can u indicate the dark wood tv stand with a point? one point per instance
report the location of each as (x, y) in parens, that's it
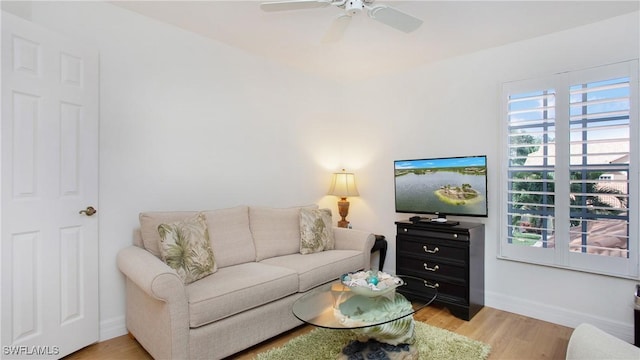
(449, 258)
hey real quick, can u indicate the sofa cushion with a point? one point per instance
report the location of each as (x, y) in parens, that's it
(149, 222)
(318, 268)
(230, 235)
(275, 231)
(316, 232)
(185, 247)
(234, 289)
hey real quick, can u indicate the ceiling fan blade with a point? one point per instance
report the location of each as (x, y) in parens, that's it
(394, 18)
(337, 29)
(293, 5)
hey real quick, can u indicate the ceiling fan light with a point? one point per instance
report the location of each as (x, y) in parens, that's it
(353, 7)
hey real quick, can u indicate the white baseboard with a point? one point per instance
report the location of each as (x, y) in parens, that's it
(113, 327)
(558, 315)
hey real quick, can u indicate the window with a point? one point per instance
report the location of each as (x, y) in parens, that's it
(570, 170)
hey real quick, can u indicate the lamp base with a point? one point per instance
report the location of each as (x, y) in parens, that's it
(343, 210)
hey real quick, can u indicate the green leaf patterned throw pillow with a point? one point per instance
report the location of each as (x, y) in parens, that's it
(316, 232)
(185, 247)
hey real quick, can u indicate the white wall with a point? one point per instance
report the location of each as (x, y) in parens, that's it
(452, 108)
(189, 123)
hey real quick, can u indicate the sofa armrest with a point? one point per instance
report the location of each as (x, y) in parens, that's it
(151, 275)
(350, 239)
(588, 342)
(157, 305)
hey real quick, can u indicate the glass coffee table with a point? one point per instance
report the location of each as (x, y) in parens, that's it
(386, 318)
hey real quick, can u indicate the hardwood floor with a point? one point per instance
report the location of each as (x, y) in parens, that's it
(511, 336)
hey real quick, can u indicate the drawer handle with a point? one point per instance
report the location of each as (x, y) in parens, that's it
(435, 268)
(434, 286)
(455, 236)
(426, 249)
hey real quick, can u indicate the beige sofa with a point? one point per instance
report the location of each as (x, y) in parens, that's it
(260, 273)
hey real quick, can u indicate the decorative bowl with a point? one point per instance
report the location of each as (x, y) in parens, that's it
(371, 283)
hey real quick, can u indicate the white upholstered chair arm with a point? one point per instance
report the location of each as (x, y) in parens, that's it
(588, 342)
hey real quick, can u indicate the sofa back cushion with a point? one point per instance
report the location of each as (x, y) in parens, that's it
(149, 222)
(230, 235)
(276, 232)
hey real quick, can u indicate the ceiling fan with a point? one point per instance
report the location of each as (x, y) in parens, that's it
(385, 14)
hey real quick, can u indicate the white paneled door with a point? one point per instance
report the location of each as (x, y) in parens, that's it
(49, 142)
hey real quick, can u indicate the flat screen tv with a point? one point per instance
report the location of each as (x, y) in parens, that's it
(442, 186)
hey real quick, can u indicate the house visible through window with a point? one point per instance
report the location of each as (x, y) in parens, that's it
(571, 170)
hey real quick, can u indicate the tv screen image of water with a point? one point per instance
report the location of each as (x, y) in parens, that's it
(417, 193)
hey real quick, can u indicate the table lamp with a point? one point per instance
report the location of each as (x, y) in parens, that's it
(343, 184)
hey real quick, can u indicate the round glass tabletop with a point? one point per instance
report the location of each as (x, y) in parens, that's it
(336, 306)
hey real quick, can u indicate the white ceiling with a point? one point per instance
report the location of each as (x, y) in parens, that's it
(368, 47)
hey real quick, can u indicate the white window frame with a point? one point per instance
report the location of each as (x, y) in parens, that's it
(560, 256)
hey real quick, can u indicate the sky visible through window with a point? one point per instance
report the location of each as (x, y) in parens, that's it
(611, 98)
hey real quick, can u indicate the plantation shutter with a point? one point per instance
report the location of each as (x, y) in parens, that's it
(600, 141)
(570, 172)
(530, 136)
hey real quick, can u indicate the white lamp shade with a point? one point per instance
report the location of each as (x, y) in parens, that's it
(343, 185)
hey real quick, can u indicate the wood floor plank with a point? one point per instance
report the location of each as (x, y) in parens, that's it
(511, 336)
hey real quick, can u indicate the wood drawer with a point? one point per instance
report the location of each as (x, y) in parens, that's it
(446, 235)
(432, 249)
(445, 289)
(428, 267)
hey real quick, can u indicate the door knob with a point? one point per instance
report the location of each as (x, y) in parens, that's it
(90, 210)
